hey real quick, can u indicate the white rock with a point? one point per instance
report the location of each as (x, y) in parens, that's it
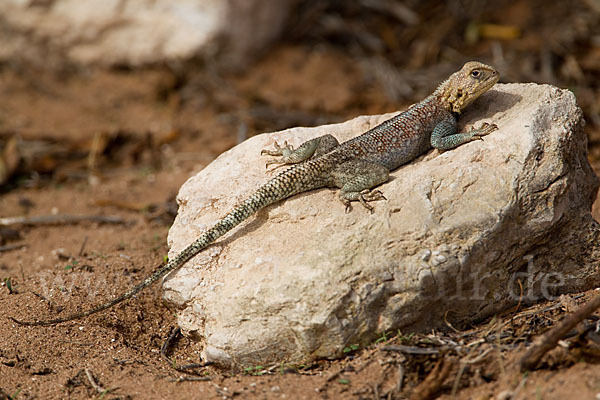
(457, 233)
(136, 32)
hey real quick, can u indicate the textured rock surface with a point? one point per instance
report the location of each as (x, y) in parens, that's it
(137, 32)
(459, 231)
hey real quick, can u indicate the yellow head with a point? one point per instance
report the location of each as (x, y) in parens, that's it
(464, 86)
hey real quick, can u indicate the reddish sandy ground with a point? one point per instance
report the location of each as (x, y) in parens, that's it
(151, 143)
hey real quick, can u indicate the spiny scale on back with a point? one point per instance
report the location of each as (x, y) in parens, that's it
(355, 166)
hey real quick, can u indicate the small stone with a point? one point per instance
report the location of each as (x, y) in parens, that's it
(505, 395)
(60, 254)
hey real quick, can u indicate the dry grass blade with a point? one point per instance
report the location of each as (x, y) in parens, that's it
(411, 349)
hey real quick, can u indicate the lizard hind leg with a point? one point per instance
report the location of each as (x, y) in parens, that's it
(309, 149)
(357, 178)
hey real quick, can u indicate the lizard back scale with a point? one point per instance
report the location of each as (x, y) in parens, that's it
(355, 166)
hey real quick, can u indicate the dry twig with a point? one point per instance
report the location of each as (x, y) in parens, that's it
(550, 339)
(192, 379)
(434, 381)
(85, 239)
(10, 247)
(400, 382)
(175, 334)
(95, 385)
(60, 220)
(411, 349)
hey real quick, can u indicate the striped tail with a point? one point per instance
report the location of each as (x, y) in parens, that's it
(296, 179)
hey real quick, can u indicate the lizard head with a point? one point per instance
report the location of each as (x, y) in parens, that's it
(464, 86)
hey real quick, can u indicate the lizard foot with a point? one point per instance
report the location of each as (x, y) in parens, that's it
(279, 151)
(484, 130)
(370, 195)
(282, 152)
(364, 197)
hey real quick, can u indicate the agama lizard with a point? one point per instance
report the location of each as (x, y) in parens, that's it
(355, 166)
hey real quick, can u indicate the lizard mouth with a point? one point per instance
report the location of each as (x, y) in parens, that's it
(492, 80)
(489, 82)
(483, 87)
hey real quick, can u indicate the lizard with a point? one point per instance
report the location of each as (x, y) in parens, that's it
(355, 166)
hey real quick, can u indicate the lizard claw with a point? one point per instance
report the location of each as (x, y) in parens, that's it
(484, 130)
(348, 207)
(487, 128)
(366, 205)
(372, 195)
(279, 151)
(364, 197)
(281, 164)
(282, 152)
(271, 162)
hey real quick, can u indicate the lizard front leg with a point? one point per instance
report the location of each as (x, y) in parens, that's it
(356, 178)
(445, 135)
(309, 149)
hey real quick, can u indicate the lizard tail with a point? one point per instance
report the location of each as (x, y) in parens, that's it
(294, 180)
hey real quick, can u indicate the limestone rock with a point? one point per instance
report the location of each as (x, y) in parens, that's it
(137, 32)
(460, 229)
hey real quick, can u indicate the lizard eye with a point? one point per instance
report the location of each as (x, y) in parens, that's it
(475, 73)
